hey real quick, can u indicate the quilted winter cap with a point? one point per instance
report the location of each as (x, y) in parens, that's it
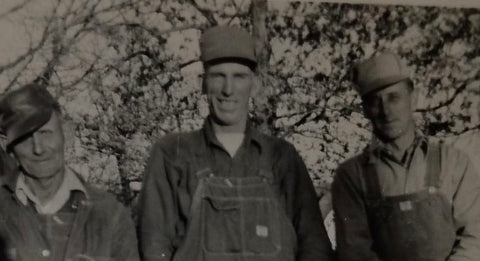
(379, 72)
(221, 42)
(24, 110)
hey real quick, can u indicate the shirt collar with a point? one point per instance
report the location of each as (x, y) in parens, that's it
(377, 147)
(251, 135)
(71, 182)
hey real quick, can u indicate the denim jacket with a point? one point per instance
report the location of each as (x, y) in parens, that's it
(100, 228)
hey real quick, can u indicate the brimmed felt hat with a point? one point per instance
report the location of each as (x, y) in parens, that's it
(223, 42)
(24, 110)
(379, 72)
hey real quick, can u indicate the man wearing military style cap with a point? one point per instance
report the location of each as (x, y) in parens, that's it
(227, 191)
(47, 211)
(405, 197)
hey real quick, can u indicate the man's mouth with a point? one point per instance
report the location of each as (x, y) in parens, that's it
(41, 159)
(227, 103)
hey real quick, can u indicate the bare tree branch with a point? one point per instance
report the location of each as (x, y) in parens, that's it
(206, 13)
(458, 91)
(14, 80)
(30, 52)
(14, 9)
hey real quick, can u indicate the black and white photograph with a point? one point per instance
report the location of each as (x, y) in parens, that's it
(239, 130)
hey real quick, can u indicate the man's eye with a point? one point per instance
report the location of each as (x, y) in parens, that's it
(44, 132)
(215, 78)
(393, 98)
(241, 76)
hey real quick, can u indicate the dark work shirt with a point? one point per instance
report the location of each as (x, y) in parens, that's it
(170, 182)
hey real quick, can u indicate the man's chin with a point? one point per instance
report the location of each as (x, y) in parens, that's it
(46, 173)
(226, 119)
(389, 134)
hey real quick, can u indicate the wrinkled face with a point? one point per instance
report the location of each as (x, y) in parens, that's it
(41, 154)
(390, 110)
(228, 87)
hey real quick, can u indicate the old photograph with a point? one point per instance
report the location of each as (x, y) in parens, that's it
(239, 130)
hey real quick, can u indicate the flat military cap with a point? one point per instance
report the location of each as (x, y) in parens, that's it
(24, 110)
(379, 72)
(222, 42)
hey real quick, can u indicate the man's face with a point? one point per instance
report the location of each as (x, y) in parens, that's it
(41, 154)
(390, 110)
(228, 87)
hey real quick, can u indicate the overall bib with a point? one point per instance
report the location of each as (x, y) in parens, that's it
(237, 219)
(415, 226)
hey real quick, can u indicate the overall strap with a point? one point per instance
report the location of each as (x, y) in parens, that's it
(433, 161)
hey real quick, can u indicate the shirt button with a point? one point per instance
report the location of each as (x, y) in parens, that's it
(45, 253)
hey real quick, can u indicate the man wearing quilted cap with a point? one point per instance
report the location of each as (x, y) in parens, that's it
(227, 191)
(47, 211)
(405, 197)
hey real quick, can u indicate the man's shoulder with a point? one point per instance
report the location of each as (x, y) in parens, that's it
(351, 172)
(101, 199)
(272, 142)
(105, 212)
(450, 153)
(173, 144)
(354, 162)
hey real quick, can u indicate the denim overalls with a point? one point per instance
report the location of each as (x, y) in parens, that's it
(415, 226)
(237, 218)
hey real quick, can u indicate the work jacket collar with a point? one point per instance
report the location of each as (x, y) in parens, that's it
(9, 181)
(377, 148)
(252, 136)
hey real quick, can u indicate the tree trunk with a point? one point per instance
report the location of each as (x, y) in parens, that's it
(259, 15)
(262, 49)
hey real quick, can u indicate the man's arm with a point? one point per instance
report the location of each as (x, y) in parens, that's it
(313, 242)
(354, 241)
(156, 210)
(466, 207)
(125, 245)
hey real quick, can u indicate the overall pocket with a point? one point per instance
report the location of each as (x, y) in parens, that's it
(241, 226)
(221, 228)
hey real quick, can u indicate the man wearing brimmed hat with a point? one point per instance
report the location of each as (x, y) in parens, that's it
(404, 197)
(227, 191)
(47, 211)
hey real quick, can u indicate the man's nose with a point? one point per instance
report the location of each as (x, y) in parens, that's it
(385, 107)
(227, 88)
(38, 147)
